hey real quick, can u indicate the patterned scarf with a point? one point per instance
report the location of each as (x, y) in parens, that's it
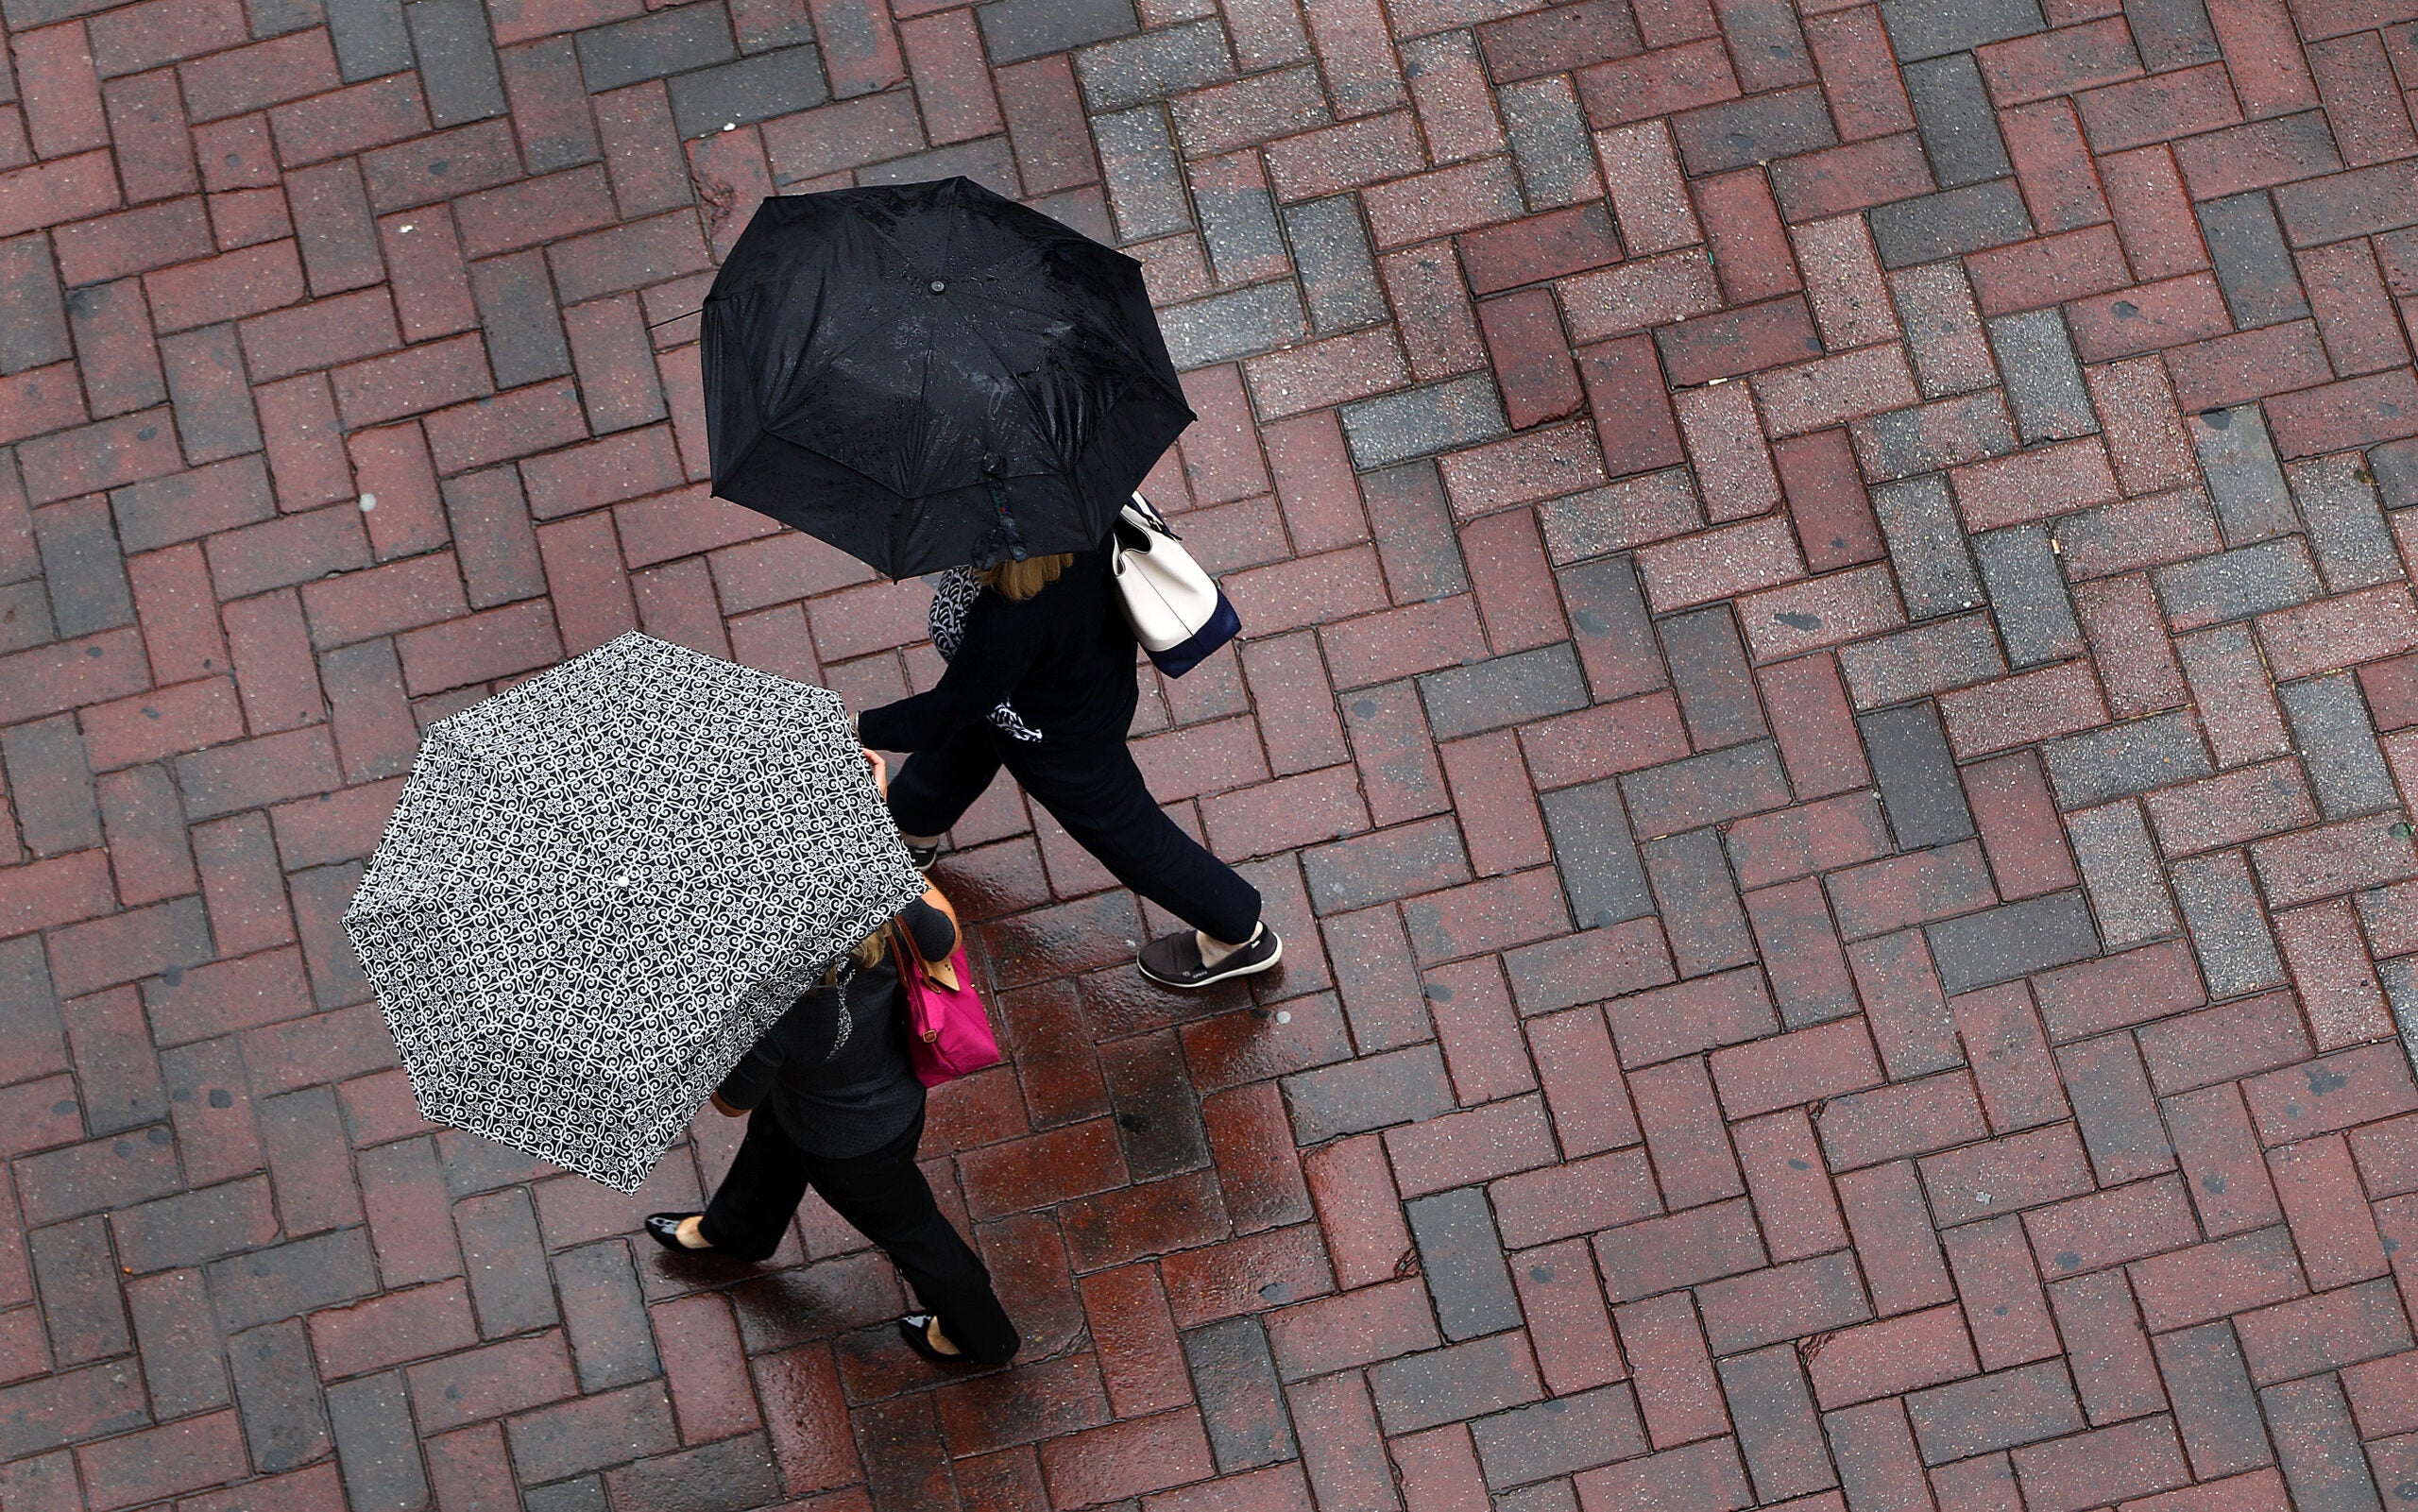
(952, 597)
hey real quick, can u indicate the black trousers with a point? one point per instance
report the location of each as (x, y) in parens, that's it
(884, 1195)
(1098, 794)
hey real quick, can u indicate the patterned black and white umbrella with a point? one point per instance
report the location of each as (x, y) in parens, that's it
(601, 887)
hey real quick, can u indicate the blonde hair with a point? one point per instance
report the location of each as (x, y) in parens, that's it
(867, 954)
(1019, 581)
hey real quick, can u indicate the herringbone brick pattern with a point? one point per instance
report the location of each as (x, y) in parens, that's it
(1829, 685)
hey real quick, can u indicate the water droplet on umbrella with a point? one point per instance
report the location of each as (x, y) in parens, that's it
(940, 285)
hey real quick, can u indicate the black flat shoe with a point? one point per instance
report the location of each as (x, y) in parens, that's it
(912, 1329)
(664, 1228)
(1174, 960)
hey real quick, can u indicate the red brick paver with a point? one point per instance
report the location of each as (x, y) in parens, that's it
(1831, 680)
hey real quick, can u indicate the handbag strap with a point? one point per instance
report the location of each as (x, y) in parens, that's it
(911, 984)
(907, 957)
(1149, 516)
(902, 950)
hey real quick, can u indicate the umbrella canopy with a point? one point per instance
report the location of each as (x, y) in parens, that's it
(929, 375)
(601, 887)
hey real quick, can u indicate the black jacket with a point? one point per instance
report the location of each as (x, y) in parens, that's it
(835, 1066)
(1064, 658)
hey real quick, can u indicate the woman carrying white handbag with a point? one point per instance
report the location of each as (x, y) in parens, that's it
(1041, 680)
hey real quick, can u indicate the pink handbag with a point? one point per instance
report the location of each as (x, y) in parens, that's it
(948, 1033)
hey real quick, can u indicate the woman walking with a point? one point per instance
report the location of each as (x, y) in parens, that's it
(832, 1102)
(1041, 680)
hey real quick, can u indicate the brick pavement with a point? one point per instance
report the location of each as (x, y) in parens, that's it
(1831, 662)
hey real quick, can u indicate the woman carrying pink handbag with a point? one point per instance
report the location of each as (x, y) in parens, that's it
(833, 1095)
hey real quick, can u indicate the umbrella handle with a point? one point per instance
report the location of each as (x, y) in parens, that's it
(1015, 547)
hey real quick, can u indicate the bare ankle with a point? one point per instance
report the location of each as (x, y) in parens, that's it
(1212, 949)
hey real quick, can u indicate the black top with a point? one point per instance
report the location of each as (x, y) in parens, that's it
(841, 1084)
(1064, 658)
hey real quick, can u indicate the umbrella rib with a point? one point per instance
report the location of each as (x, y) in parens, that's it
(895, 245)
(923, 410)
(871, 329)
(1005, 258)
(968, 288)
(1040, 424)
(1084, 318)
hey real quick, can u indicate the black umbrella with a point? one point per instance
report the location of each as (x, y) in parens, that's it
(929, 375)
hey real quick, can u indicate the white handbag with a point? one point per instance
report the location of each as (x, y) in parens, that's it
(1177, 610)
